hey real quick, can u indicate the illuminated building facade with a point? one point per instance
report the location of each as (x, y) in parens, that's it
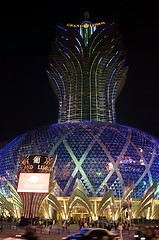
(101, 156)
(99, 163)
(87, 71)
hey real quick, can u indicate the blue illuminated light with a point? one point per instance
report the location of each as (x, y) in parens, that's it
(62, 28)
(78, 41)
(77, 48)
(110, 61)
(64, 38)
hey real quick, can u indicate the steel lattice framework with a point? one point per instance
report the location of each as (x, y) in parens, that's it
(101, 155)
(87, 71)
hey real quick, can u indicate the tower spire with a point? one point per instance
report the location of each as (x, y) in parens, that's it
(86, 15)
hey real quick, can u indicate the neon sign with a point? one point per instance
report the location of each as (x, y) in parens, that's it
(37, 163)
(85, 25)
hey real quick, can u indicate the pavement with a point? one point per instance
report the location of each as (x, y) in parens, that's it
(55, 233)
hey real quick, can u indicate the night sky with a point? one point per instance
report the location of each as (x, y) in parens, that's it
(26, 98)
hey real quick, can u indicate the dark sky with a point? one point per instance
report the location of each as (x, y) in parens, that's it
(26, 98)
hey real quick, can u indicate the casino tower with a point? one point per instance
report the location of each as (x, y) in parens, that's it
(87, 71)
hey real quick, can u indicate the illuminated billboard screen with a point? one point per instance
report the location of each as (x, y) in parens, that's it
(34, 182)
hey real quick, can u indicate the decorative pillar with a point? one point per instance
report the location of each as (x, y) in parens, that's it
(32, 200)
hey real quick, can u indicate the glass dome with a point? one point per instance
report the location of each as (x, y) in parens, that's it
(101, 155)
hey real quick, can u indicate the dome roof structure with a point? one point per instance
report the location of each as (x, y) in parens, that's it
(101, 155)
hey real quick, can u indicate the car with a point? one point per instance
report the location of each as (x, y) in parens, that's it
(18, 238)
(92, 234)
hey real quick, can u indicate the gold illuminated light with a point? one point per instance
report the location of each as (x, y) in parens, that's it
(85, 25)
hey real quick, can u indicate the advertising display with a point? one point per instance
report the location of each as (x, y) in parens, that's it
(34, 182)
